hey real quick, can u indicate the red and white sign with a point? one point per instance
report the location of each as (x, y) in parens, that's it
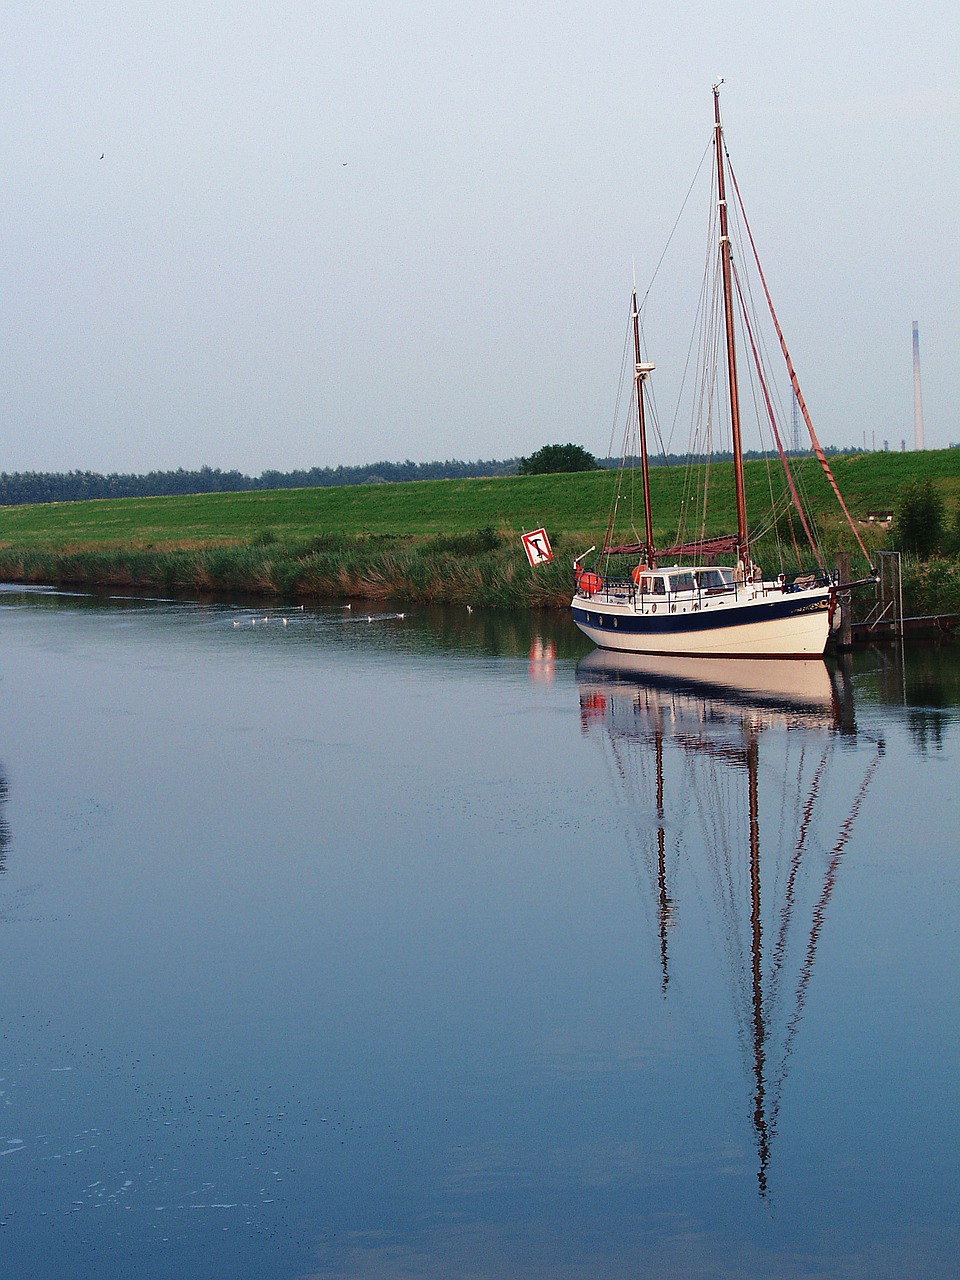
(537, 547)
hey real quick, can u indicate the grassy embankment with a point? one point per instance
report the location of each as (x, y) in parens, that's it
(453, 541)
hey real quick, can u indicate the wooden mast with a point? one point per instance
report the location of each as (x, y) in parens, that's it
(743, 544)
(641, 373)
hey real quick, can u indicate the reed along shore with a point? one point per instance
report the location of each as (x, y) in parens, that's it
(444, 541)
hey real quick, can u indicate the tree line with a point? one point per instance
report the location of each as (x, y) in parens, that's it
(76, 486)
(19, 487)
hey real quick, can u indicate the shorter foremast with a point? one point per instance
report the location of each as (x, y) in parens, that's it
(642, 371)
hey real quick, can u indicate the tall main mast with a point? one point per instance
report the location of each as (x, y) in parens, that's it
(743, 545)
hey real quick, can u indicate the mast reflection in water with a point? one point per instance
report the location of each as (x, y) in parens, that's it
(732, 813)
(4, 825)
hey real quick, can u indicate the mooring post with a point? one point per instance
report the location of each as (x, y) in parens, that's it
(844, 638)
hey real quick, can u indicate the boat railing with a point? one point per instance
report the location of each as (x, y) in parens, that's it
(624, 590)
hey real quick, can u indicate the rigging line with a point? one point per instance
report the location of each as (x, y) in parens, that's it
(633, 480)
(621, 469)
(695, 334)
(651, 412)
(635, 832)
(773, 424)
(709, 344)
(619, 401)
(762, 342)
(794, 381)
(819, 917)
(719, 813)
(700, 354)
(786, 911)
(673, 231)
(697, 442)
(755, 371)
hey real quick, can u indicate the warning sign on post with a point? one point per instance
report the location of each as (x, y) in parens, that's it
(537, 547)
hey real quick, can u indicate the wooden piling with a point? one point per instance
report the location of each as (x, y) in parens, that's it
(843, 638)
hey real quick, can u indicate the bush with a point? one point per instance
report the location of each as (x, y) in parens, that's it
(951, 543)
(466, 544)
(553, 458)
(918, 519)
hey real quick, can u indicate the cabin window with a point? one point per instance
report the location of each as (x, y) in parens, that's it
(683, 582)
(658, 587)
(714, 579)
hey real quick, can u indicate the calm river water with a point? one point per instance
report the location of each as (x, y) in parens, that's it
(431, 946)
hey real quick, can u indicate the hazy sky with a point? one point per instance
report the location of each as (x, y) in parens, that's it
(326, 233)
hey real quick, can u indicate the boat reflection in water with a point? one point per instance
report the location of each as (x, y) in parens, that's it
(741, 798)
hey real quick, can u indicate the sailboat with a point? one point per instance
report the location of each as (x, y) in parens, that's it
(699, 606)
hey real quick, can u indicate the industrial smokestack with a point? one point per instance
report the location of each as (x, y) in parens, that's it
(917, 398)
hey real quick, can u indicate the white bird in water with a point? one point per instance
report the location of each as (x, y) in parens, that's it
(469, 608)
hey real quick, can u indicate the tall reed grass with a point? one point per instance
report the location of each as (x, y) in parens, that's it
(484, 568)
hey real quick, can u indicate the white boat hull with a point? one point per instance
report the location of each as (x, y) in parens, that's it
(762, 621)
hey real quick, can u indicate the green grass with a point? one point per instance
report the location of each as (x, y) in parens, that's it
(455, 540)
(566, 504)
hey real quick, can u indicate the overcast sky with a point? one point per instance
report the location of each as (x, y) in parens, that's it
(326, 233)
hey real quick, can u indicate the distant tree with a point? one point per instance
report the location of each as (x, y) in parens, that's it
(918, 518)
(557, 457)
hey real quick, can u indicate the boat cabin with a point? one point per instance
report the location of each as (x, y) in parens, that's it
(679, 581)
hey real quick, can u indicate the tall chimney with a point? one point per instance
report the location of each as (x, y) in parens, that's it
(917, 399)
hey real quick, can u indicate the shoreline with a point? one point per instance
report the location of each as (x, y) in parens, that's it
(483, 570)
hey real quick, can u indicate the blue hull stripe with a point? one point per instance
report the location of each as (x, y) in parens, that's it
(667, 623)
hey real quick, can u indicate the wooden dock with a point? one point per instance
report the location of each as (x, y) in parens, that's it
(927, 626)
